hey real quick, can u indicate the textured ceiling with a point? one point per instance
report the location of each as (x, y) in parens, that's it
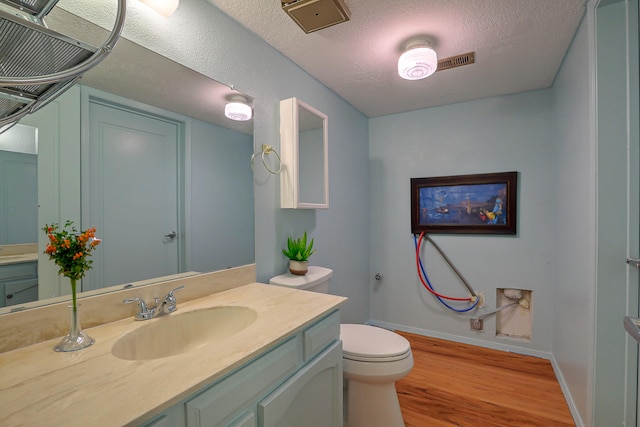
(519, 45)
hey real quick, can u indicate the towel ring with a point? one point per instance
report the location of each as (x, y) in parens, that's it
(267, 149)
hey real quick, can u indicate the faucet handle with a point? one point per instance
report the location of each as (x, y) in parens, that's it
(170, 294)
(140, 301)
(170, 300)
(143, 313)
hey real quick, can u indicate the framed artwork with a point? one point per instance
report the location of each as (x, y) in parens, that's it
(465, 204)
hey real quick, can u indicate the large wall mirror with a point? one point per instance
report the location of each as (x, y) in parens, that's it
(304, 180)
(214, 206)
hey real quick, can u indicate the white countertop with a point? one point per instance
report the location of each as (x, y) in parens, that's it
(91, 387)
(15, 254)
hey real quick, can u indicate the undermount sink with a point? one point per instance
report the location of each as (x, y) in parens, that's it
(181, 332)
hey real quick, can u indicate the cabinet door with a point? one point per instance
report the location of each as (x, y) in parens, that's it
(20, 291)
(311, 398)
(242, 388)
(247, 420)
(18, 283)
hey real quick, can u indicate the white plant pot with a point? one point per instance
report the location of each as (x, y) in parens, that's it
(299, 268)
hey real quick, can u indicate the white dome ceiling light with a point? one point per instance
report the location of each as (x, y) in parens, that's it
(238, 109)
(418, 60)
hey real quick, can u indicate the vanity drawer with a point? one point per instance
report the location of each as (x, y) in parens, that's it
(238, 390)
(321, 335)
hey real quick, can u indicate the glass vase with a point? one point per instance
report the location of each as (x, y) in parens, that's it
(75, 339)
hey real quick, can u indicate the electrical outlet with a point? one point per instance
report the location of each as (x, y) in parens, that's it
(476, 324)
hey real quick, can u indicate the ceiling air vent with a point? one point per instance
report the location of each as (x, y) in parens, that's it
(314, 15)
(456, 61)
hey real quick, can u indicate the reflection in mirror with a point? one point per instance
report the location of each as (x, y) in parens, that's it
(311, 156)
(304, 182)
(216, 185)
(19, 218)
(19, 185)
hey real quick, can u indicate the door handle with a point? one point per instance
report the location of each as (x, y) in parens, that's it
(634, 262)
(171, 235)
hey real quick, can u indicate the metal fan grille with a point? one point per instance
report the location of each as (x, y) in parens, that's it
(34, 7)
(28, 49)
(9, 105)
(38, 64)
(25, 52)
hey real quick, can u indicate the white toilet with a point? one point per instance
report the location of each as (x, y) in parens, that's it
(373, 360)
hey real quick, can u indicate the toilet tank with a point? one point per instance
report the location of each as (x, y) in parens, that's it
(316, 280)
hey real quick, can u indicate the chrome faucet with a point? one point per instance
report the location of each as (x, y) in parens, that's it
(168, 305)
(144, 312)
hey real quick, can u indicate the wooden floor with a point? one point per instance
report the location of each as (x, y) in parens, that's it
(455, 384)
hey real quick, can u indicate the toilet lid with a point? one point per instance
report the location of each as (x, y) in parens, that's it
(364, 342)
(314, 276)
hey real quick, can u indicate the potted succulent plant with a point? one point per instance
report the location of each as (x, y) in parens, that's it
(298, 253)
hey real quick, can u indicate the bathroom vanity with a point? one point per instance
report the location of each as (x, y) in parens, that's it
(297, 383)
(281, 366)
(18, 274)
(18, 282)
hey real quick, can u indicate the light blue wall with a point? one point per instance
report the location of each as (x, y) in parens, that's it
(221, 180)
(574, 227)
(508, 133)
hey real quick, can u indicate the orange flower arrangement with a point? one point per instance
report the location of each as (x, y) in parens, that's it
(71, 250)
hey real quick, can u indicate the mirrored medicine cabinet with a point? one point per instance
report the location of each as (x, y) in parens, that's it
(304, 179)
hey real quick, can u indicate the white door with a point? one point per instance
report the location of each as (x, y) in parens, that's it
(131, 194)
(18, 197)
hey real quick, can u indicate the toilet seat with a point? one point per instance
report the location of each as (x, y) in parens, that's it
(366, 343)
